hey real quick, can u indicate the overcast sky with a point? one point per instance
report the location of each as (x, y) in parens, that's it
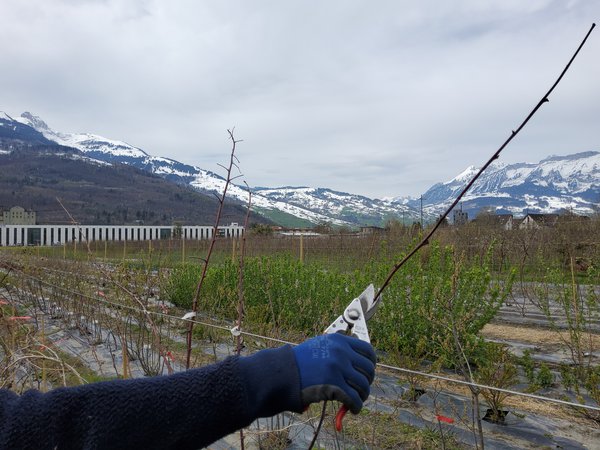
(379, 98)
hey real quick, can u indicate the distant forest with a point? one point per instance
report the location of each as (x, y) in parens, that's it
(35, 176)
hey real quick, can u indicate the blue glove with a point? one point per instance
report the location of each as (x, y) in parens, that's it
(335, 367)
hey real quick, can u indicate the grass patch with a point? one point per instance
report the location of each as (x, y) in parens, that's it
(54, 370)
(385, 431)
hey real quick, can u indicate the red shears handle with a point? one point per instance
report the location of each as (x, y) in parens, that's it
(339, 417)
(354, 322)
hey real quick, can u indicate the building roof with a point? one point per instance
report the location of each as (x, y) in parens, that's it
(496, 219)
(543, 219)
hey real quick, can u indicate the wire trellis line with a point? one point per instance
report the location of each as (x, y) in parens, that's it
(281, 341)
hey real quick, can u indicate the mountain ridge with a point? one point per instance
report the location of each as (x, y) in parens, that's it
(316, 208)
(555, 183)
(95, 192)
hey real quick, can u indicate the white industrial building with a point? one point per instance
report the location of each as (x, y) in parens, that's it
(16, 235)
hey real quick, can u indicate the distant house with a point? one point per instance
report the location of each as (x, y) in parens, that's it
(18, 216)
(371, 230)
(504, 221)
(536, 221)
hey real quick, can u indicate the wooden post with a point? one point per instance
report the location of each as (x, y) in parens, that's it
(182, 250)
(65, 249)
(125, 359)
(105, 249)
(301, 247)
(125, 356)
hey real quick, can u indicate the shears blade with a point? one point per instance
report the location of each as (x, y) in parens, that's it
(354, 319)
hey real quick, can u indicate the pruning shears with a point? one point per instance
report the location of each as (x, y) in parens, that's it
(353, 322)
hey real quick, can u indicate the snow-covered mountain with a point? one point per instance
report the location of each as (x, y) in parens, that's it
(556, 183)
(15, 131)
(110, 150)
(288, 206)
(350, 208)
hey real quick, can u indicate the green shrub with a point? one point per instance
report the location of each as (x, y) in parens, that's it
(566, 376)
(497, 369)
(282, 293)
(526, 362)
(181, 285)
(431, 298)
(544, 378)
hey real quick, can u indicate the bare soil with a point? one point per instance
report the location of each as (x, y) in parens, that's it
(531, 335)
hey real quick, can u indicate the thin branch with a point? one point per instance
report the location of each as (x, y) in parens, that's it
(6, 274)
(198, 257)
(78, 225)
(495, 156)
(441, 219)
(161, 349)
(153, 328)
(210, 249)
(241, 307)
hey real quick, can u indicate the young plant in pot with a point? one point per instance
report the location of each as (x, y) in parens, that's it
(496, 368)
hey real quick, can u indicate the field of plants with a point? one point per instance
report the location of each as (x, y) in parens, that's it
(486, 339)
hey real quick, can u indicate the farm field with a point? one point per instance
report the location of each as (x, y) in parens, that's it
(479, 317)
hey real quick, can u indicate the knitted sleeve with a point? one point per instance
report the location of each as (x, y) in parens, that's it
(186, 410)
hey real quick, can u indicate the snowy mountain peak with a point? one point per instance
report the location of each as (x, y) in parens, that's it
(92, 144)
(5, 116)
(34, 122)
(295, 206)
(555, 183)
(465, 175)
(574, 156)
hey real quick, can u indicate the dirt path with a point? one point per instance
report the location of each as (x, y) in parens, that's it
(531, 335)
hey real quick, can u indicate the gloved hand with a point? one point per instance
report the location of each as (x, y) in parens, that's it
(335, 367)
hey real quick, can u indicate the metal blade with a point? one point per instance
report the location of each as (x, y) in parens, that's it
(367, 302)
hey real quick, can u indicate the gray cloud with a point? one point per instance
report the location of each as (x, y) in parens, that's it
(379, 99)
